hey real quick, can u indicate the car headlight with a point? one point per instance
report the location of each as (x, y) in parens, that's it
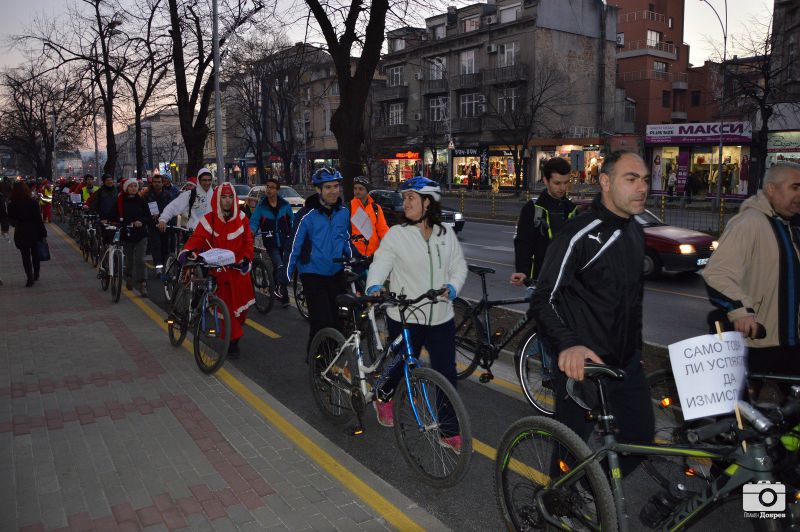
(458, 216)
(714, 245)
(686, 249)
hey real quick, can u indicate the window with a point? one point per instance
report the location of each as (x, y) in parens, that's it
(695, 98)
(334, 89)
(508, 14)
(670, 23)
(438, 67)
(439, 32)
(469, 105)
(507, 100)
(666, 99)
(396, 114)
(630, 111)
(397, 45)
(653, 39)
(659, 70)
(308, 94)
(438, 108)
(394, 76)
(472, 23)
(507, 55)
(467, 62)
(326, 119)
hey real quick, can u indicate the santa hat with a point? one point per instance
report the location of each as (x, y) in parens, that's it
(127, 183)
(191, 179)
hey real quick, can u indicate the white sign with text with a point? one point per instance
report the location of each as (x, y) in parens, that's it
(709, 372)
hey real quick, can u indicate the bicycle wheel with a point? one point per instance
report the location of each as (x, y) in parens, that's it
(331, 390)
(212, 335)
(263, 286)
(534, 451)
(538, 391)
(442, 416)
(467, 342)
(171, 271)
(102, 273)
(116, 278)
(299, 297)
(177, 325)
(94, 250)
(83, 242)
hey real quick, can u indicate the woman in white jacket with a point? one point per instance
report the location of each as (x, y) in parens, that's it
(418, 256)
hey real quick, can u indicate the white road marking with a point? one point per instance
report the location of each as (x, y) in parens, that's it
(491, 248)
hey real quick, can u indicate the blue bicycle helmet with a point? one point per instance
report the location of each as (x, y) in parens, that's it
(423, 185)
(324, 175)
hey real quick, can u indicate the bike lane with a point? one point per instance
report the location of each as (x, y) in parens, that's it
(104, 426)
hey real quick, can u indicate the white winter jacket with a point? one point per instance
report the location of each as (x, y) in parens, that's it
(415, 266)
(180, 205)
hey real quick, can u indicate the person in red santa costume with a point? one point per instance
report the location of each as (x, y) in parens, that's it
(227, 227)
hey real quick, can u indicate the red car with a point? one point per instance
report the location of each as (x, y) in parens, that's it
(673, 248)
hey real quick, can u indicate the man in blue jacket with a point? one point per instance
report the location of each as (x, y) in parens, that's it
(321, 235)
(273, 220)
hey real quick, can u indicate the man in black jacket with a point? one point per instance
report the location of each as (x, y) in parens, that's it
(588, 303)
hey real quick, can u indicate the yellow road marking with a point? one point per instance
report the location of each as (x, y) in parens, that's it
(684, 294)
(371, 497)
(263, 330)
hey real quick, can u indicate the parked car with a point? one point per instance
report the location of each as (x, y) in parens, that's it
(391, 202)
(673, 248)
(286, 192)
(242, 191)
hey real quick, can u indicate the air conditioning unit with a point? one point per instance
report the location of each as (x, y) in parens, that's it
(490, 19)
(417, 116)
(418, 75)
(482, 98)
(491, 48)
(482, 109)
(620, 39)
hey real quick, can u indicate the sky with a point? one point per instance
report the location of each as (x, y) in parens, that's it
(701, 26)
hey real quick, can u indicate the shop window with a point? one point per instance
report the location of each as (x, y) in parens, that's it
(466, 60)
(472, 23)
(653, 38)
(469, 105)
(508, 14)
(666, 99)
(438, 67)
(394, 76)
(695, 98)
(507, 100)
(396, 114)
(438, 108)
(508, 53)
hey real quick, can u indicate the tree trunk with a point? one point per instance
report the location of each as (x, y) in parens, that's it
(286, 162)
(262, 174)
(758, 153)
(348, 127)
(137, 121)
(195, 147)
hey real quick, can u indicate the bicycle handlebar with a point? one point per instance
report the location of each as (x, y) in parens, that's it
(388, 298)
(353, 261)
(708, 432)
(786, 414)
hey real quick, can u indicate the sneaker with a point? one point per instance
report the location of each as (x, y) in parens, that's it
(383, 409)
(285, 302)
(453, 442)
(143, 289)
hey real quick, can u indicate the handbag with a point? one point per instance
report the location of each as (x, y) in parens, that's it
(43, 250)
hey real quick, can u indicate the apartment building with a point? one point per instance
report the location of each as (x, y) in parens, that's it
(162, 145)
(460, 97)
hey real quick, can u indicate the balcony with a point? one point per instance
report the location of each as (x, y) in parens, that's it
(498, 122)
(641, 16)
(678, 114)
(680, 82)
(507, 74)
(466, 125)
(650, 75)
(465, 81)
(663, 50)
(434, 86)
(395, 130)
(398, 92)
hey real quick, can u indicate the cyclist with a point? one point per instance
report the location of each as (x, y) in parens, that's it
(132, 211)
(104, 203)
(274, 217)
(588, 304)
(87, 188)
(226, 227)
(159, 197)
(46, 200)
(418, 256)
(321, 235)
(192, 203)
(374, 224)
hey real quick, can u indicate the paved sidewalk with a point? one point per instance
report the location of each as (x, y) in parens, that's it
(105, 426)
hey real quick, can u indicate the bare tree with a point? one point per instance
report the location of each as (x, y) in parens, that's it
(192, 59)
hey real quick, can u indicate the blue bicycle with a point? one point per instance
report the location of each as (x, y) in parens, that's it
(428, 412)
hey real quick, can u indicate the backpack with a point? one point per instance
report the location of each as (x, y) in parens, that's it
(192, 199)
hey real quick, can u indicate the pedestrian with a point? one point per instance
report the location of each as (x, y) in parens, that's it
(273, 219)
(226, 227)
(133, 215)
(3, 217)
(588, 302)
(672, 180)
(754, 273)
(157, 198)
(29, 230)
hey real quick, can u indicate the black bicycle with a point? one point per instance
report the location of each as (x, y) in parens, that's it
(172, 269)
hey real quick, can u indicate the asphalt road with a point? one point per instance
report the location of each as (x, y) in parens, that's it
(675, 306)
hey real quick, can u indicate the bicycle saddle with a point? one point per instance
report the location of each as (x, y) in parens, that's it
(480, 270)
(593, 371)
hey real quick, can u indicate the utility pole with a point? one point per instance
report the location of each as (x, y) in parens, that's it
(217, 98)
(55, 160)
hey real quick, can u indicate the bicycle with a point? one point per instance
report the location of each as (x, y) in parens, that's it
(565, 486)
(427, 409)
(477, 345)
(196, 306)
(112, 264)
(172, 269)
(261, 276)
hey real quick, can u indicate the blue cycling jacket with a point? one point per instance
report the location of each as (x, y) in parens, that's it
(274, 230)
(321, 235)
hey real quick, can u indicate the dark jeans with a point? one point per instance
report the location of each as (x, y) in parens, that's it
(30, 261)
(629, 402)
(320, 292)
(134, 259)
(277, 266)
(158, 243)
(440, 342)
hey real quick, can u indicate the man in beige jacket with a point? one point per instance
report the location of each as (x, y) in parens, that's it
(754, 275)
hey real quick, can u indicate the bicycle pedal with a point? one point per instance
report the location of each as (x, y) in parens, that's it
(485, 377)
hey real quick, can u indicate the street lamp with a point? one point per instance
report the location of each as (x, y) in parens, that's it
(217, 99)
(724, 27)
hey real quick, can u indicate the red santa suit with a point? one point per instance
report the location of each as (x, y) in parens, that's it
(232, 233)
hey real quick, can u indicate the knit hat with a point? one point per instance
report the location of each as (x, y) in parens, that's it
(128, 182)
